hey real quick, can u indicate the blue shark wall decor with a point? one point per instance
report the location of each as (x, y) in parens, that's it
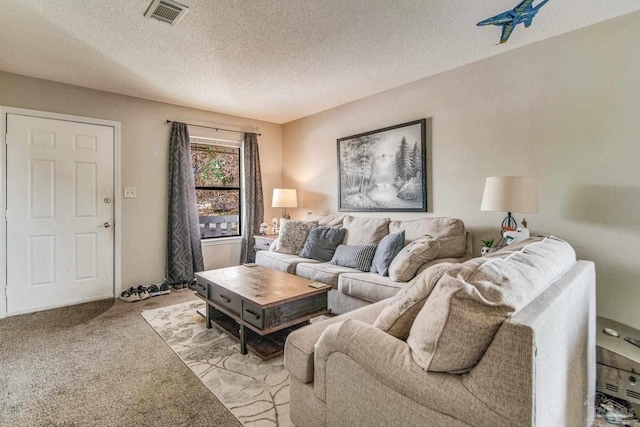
(522, 13)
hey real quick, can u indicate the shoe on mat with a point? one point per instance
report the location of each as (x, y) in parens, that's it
(130, 295)
(180, 286)
(153, 290)
(158, 289)
(142, 292)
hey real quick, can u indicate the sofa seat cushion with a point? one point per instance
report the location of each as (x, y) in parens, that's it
(449, 231)
(322, 272)
(471, 301)
(281, 262)
(300, 345)
(368, 286)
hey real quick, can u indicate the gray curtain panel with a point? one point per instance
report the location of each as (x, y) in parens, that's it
(184, 251)
(254, 211)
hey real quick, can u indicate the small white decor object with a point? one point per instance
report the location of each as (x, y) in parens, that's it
(485, 250)
(263, 228)
(516, 236)
(274, 226)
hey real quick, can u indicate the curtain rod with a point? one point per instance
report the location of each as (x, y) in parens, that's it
(216, 129)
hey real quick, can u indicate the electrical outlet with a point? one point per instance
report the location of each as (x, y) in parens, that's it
(129, 192)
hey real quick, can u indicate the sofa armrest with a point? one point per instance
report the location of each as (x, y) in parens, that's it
(389, 361)
(299, 347)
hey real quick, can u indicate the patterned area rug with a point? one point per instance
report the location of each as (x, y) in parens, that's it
(255, 391)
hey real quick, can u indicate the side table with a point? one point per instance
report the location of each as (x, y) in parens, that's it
(263, 241)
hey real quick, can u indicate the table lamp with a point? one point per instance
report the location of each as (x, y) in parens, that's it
(284, 198)
(510, 194)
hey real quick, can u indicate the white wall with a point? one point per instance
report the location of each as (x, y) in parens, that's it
(565, 110)
(145, 154)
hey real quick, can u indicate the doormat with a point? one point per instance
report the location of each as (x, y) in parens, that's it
(254, 390)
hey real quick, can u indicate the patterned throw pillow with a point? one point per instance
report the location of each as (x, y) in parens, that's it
(405, 265)
(292, 236)
(359, 257)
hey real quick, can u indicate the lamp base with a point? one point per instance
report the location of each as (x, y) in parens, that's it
(508, 221)
(285, 214)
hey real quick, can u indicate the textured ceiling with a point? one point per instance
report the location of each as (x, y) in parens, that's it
(275, 60)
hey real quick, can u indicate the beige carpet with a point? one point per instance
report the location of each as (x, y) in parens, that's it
(256, 391)
(99, 364)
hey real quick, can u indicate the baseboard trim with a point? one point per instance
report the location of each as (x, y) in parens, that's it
(67, 304)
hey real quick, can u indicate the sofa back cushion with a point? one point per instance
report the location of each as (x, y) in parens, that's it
(406, 264)
(399, 314)
(325, 220)
(449, 231)
(322, 242)
(365, 231)
(471, 300)
(293, 235)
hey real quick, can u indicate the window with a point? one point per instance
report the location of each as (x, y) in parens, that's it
(216, 169)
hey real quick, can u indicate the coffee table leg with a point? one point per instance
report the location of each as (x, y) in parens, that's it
(208, 321)
(243, 336)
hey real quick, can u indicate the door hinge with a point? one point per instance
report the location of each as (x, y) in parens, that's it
(6, 139)
(6, 215)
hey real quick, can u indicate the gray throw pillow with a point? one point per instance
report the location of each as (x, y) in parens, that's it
(388, 248)
(353, 256)
(322, 242)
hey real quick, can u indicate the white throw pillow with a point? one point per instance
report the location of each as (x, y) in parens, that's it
(405, 265)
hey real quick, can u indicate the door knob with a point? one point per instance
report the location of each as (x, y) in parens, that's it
(106, 225)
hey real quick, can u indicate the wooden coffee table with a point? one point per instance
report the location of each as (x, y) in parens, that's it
(259, 298)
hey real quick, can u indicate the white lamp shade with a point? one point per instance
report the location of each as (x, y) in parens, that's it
(510, 194)
(284, 198)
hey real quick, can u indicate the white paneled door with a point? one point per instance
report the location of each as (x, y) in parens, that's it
(60, 239)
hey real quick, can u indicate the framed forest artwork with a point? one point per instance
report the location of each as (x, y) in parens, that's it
(384, 170)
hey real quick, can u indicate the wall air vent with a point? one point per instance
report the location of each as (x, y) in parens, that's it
(633, 394)
(167, 11)
(612, 387)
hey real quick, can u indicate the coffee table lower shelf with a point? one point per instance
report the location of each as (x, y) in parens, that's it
(265, 344)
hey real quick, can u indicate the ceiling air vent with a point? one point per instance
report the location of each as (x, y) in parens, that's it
(166, 11)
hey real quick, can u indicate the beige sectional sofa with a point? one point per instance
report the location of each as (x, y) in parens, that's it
(353, 288)
(507, 340)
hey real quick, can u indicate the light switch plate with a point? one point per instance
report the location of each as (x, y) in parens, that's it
(129, 192)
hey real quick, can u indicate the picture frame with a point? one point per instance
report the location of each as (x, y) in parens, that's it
(384, 170)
